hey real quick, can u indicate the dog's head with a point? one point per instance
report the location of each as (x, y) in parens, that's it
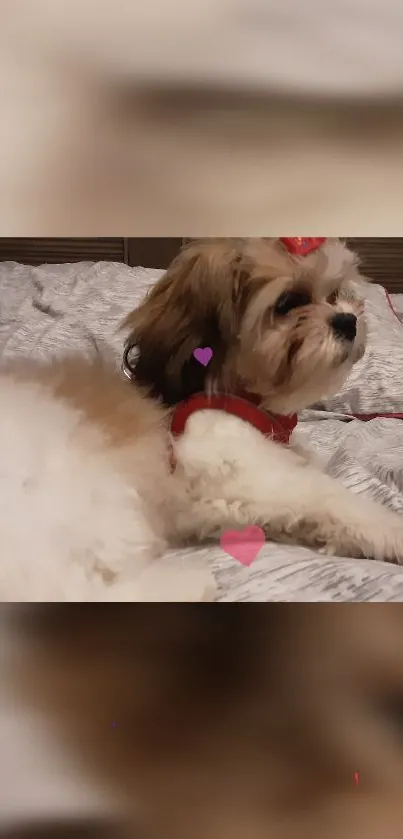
(284, 327)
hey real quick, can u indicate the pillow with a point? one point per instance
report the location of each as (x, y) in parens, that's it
(375, 384)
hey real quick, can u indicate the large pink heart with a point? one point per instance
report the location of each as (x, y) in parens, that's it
(244, 545)
(203, 355)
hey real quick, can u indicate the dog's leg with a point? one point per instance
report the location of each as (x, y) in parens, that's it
(294, 501)
(320, 512)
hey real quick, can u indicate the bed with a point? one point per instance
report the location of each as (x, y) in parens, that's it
(76, 300)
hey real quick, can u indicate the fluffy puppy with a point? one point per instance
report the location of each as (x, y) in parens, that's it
(96, 478)
(280, 721)
(284, 331)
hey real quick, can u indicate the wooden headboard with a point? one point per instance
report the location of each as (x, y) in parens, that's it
(382, 258)
(148, 252)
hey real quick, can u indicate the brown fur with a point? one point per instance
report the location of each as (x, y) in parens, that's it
(233, 722)
(222, 293)
(199, 302)
(105, 399)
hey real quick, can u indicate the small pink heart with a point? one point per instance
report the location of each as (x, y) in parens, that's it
(203, 355)
(244, 545)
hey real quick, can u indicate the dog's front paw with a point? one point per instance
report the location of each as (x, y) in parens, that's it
(394, 542)
(379, 538)
(382, 539)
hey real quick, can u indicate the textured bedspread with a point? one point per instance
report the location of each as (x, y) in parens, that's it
(57, 309)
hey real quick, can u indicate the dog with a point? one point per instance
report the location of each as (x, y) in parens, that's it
(100, 475)
(284, 331)
(281, 720)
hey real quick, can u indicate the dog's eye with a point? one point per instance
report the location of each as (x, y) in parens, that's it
(291, 300)
(333, 297)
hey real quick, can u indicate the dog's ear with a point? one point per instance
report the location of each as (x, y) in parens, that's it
(198, 303)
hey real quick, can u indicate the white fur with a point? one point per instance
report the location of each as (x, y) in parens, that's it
(72, 519)
(240, 477)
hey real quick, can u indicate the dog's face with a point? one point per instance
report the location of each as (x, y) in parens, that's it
(277, 722)
(286, 328)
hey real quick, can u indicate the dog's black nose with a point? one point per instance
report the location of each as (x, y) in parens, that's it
(344, 325)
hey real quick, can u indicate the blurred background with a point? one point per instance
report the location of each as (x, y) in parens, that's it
(226, 117)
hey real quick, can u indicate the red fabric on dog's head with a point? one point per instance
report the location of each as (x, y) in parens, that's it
(302, 245)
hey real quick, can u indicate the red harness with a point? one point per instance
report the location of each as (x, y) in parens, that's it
(246, 407)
